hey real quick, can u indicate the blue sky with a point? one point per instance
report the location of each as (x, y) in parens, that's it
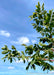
(16, 28)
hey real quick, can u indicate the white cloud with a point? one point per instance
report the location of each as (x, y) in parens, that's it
(4, 33)
(21, 40)
(33, 41)
(11, 67)
(20, 61)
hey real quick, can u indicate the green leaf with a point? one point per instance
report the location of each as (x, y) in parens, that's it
(13, 47)
(10, 60)
(24, 45)
(4, 52)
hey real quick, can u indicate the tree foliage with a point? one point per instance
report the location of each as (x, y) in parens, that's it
(40, 54)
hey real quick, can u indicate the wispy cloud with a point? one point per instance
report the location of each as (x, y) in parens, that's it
(4, 33)
(20, 61)
(11, 67)
(33, 41)
(21, 40)
(52, 72)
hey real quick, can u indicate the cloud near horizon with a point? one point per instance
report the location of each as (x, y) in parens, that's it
(51, 72)
(11, 67)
